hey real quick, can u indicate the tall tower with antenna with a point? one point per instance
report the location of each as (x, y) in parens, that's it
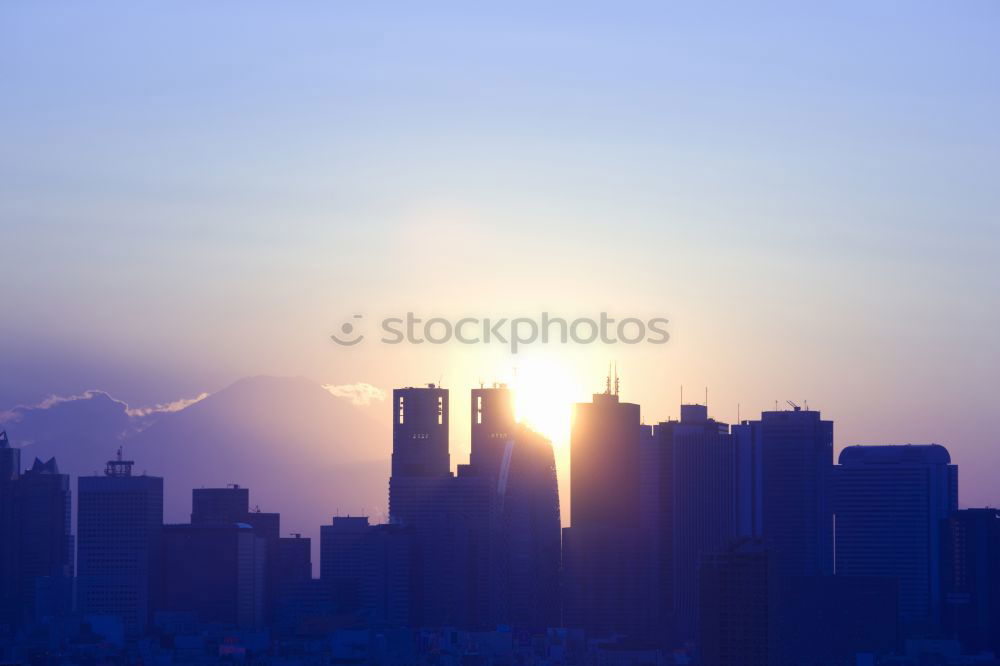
(119, 520)
(603, 552)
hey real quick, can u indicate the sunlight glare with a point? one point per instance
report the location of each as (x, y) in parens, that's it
(544, 391)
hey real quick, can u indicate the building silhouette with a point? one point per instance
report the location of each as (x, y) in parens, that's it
(605, 551)
(10, 472)
(368, 570)
(294, 559)
(420, 433)
(891, 503)
(530, 534)
(215, 571)
(486, 540)
(831, 619)
(267, 525)
(525, 553)
(36, 547)
(656, 521)
(738, 623)
(700, 490)
(971, 579)
(220, 505)
(343, 560)
(232, 505)
(604, 463)
(42, 542)
(119, 523)
(452, 517)
(705, 504)
(796, 461)
(493, 425)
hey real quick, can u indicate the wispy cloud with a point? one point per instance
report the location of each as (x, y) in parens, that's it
(360, 393)
(175, 406)
(14, 414)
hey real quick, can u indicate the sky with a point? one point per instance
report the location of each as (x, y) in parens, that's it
(193, 193)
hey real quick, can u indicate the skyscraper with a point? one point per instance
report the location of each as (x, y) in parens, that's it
(529, 534)
(294, 559)
(971, 582)
(604, 463)
(737, 623)
(215, 570)
(368, 570)
(705, 503)
(890, 503)
(220, 505)
(796, 460)
(10, 459)
(420, 432)
(267, 526)
(387, 596)
(10, 472)
(493, 425)
(342, 560)
(43, 541)
(605, 554)
(656, 518)
(119, 520)
(520, 467)
(213, 506)
(449, 515)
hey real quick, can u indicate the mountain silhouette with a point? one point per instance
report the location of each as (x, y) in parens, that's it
(301, 451)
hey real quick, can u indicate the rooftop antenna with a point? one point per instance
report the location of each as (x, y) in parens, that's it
(706, 396)
(806, 404)
(607, 381)
(616, 377)
(738, 413)
(682, 394)
(119, 466)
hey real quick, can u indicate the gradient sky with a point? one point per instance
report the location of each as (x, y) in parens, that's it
(191, 193)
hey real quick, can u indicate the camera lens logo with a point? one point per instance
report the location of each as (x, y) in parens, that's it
(347, 329)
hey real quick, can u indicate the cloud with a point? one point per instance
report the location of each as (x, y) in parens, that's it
(14, 414)
(175, 406)
(360, 393)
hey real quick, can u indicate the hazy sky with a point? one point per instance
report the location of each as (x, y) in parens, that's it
(195, 192)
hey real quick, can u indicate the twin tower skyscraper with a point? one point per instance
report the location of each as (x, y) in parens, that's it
(487, 539)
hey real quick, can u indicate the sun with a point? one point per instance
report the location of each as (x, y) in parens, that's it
(544, 392)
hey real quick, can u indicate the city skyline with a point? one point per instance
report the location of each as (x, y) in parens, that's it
(365, 399)
(459, 448)
(670, 520)
(570, 333)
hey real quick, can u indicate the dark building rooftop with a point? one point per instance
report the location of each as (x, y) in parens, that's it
(895, 454)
